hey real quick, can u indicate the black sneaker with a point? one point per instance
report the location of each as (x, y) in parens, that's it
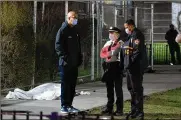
(107, 111)
(64, 110)
(118, 113)
(130, 114)
(138, 114)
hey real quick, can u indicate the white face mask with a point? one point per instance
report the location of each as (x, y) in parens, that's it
(114, 36)
(127, 31)
(111, 36)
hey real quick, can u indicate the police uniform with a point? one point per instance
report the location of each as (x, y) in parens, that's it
(134, 52)
(67, 46)
(113, 74)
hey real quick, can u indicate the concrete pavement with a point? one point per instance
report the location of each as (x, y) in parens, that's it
(165, 78)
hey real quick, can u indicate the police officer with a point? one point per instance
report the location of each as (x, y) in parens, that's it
(124, 35)
(133, 51)
(173, 45)
(113, 72)
(67, 46)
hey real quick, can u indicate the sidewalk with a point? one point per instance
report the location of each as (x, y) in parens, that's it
(165, 78)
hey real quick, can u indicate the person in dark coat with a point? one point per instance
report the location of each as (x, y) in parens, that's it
(170, 36)
(67, 46)
(134, 52)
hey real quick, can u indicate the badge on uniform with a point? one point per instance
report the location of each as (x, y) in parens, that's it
(137, 41)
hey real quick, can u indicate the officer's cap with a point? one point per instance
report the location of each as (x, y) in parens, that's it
(114, 29)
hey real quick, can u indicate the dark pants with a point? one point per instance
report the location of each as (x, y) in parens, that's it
(134, 85)
(174, 47)
(114, 81)
(68, 76)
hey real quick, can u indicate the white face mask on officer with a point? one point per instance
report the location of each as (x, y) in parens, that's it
(127, 31)
(113, 36)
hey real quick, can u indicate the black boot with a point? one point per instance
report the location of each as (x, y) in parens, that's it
(107, 110)
(118, 113)
(138, 114)
(130, 114)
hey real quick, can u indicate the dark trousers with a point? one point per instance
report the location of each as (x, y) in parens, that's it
(134, 85)
(174, 47)
(114, 81)
(68, 76)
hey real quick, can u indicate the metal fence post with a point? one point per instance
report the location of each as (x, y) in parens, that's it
(41, 115)
(115, 15)
(136, 16)
(98, 35)
(1, 114)
(152, 33)
(66, 9)
(43, 10)
(54, 116)
(93, 48)
(14, 115)
(102, 25)
(34, 58)
(27, 115)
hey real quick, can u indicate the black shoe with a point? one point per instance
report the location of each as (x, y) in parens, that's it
(138, 114)
(130, 114)
(107, 111)
(118, 113)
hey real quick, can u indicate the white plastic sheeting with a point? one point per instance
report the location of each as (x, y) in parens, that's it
(47, 91)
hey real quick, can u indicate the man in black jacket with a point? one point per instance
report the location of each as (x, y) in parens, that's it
(134, 62)
(170, 36)
(67, 46)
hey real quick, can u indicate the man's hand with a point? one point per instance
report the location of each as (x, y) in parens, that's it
(63, 60)
(120, 43)
(80, 60)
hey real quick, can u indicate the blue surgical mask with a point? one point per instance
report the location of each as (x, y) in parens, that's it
(75, 21)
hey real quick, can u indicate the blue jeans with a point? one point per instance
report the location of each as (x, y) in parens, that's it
(68, 76)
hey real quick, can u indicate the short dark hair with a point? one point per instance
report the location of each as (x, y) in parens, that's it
(130, 22)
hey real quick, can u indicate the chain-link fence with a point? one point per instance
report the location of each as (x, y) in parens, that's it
(29, 30)
(17, 44)
(28, 38)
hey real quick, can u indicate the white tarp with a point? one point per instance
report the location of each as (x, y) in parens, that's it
(47, 91)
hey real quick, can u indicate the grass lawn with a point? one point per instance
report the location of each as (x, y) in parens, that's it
(163, 105)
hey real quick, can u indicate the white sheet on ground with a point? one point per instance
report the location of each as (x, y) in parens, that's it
(47, 91)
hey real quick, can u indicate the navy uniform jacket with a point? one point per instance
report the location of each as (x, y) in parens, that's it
(67, 45)
(134, 52)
